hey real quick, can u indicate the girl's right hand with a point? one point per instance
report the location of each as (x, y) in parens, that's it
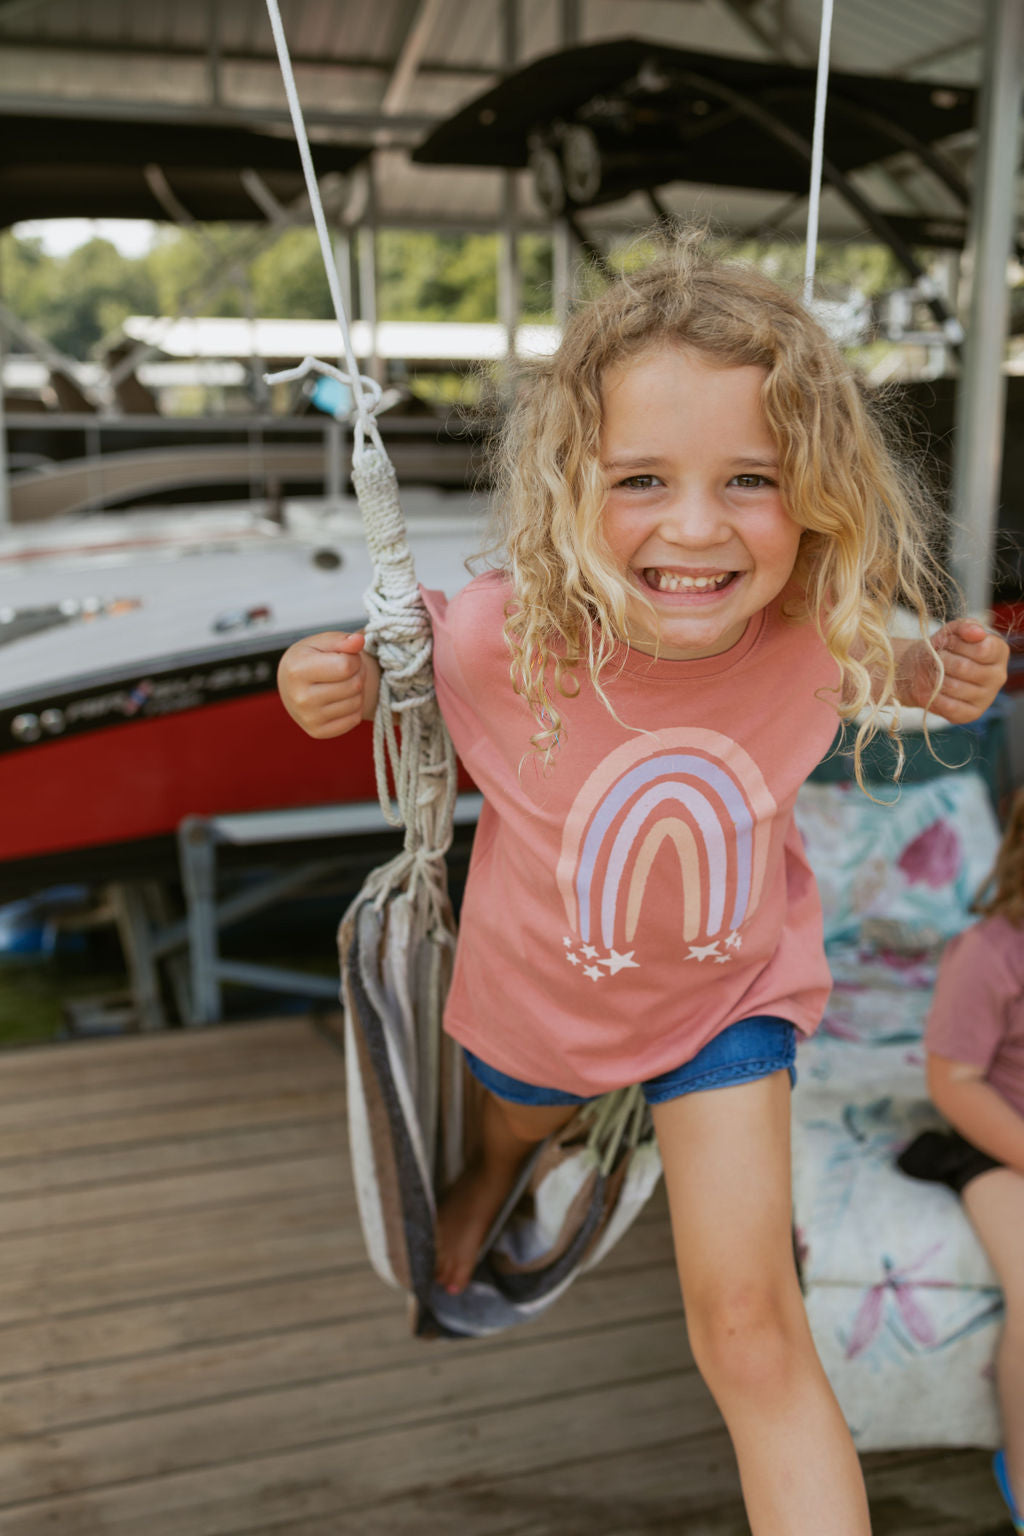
(328, 684)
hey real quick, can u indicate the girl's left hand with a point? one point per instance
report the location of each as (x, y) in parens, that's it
(975, 663)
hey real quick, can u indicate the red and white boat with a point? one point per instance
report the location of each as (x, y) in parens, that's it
(138, 655)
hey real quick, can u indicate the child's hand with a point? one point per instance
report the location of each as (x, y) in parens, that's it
(975, 665)
(328, 684)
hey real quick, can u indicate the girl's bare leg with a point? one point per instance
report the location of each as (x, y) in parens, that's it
(727, 1169)
(995, 1203)
(508, 1134)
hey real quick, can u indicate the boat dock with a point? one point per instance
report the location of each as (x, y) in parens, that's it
(192, 1342)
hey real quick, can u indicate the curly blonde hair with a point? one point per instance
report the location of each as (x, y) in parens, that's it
(1002, 894)
(864, 516)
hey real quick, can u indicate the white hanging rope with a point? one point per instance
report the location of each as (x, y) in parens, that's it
(361, 387)
(817, 150)
(422, 762)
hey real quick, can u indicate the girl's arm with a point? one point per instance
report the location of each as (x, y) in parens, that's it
(328, 684)
(976, 1109)
(974, 662)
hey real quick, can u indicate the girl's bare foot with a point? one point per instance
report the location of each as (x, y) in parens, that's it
(464, 1219)
(508, 1134)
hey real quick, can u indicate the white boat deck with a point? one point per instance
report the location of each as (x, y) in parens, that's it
(187, 573)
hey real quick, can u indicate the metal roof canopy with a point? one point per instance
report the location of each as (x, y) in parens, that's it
(653, 110)
(601, 122)
(395, 68)
(981, 394)
(93, 167)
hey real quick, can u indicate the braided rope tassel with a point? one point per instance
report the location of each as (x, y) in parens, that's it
(420, 757)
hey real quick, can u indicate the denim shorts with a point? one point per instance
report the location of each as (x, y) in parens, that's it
(742, 1053)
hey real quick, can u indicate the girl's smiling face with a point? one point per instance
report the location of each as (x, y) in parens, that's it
(694, 518)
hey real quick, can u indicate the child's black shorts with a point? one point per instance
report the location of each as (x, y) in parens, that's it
(945, 1157)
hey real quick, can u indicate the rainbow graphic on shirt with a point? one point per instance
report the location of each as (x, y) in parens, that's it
(698, 792)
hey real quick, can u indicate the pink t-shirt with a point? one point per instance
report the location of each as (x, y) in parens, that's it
(649, 888)
(977, 1013)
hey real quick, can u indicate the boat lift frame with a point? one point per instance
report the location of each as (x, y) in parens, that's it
(190, 945)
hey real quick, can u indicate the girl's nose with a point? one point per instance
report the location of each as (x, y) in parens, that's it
(694, 519)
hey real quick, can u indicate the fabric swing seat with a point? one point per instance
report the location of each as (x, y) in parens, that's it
(412, 1103)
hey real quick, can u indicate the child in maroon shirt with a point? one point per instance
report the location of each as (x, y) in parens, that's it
(975, 1043)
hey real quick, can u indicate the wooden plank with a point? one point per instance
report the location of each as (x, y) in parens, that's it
(151, 1178)
(357, 1471)
(218, 1317)
(247, 1358)
(28, 1178)
(168, 1256)
(62, 1212)
(459, 1388)
(683, 1484)
(158, 1254)
(679, 1485)
(85, 1065)
(96, 1107)
(84, 1335)
(126, 1125)
(934, 1493)
(593, 1463)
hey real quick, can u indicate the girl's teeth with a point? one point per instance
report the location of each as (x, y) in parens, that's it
(667, 581)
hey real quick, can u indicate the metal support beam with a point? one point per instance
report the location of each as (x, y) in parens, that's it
(366, 247)
(412, 125)
(213, 53)
(508, 251)
(412, 51)
(981, 395)
(564, 245)
(779, 40)
(5, 495)
(569, 22)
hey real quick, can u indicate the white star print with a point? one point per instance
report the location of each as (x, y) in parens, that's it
(593, 972)
(616, 962)
(722, 959)
(567, 943)
(589, 951)
(733, 941)
(573, 959)
(702, 951)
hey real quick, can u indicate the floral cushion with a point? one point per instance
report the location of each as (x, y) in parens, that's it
(912, 864)
(901, 1298)
(910, 1364)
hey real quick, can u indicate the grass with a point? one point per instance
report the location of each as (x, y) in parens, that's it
(33, 994)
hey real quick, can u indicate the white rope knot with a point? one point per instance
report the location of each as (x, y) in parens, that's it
(367, 395)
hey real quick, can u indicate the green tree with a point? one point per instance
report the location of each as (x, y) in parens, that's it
(75, 299)
(427, 276)
(288, 279)
(202, 272)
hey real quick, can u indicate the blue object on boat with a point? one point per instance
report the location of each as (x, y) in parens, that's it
(331, 396)
(27, 927)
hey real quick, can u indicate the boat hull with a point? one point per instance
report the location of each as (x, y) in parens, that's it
(158, 700)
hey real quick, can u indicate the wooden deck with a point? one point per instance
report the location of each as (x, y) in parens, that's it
(192, 1342)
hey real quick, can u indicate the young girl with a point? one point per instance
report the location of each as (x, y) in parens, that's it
(701, 539)
(975, 1044)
